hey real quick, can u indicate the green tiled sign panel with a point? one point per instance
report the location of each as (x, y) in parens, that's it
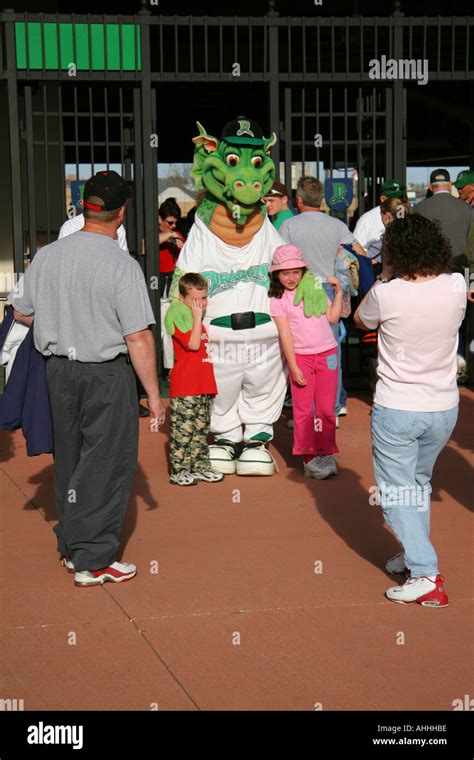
(90, 48)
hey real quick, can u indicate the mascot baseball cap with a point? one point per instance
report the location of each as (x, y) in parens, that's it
(110, 188)
(243, 131)
(464, 178)
(287, 257)
(393, 189)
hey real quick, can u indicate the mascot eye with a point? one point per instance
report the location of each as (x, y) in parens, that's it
(232, 159)
(257, 161)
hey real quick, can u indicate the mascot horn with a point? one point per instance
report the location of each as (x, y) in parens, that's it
(231, 245)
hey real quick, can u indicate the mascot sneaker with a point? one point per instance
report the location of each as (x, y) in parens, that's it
(67, 563)
(208, 475)
(222, 457)
(117, 572)
(427, 590)
(396, 564)
(255, 460)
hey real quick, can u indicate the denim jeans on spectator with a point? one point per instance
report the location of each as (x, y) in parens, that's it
(405, 446)
(341, 397)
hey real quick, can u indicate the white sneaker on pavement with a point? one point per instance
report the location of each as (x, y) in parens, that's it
(208, 475)
(117, 572)
(318, 469)
(183, 478)
(428, 591)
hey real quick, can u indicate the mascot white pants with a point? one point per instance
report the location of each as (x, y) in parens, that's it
(248, 365)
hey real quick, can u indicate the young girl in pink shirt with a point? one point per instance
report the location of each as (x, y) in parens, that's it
(311, 353)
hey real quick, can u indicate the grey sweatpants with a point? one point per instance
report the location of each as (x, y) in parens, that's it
(95, 424)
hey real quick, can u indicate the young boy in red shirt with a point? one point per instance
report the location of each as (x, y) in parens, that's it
(192, 384)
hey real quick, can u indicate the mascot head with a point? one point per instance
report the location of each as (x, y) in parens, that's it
(236, 170)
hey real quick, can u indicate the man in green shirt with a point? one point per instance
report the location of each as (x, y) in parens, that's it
(276, 202)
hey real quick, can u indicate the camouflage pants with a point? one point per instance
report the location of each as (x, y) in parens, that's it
(190, 418)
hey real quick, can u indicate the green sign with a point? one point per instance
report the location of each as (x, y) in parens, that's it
(91, 47)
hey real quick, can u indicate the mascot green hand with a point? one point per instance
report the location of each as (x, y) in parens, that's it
(311, 292)
(178, 314)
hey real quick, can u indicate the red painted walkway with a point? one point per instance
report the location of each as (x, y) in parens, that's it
(236, 617)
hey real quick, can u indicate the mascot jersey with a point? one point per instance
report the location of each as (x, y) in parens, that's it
(248, 365)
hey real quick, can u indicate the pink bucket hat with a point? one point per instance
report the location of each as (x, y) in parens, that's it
(287, 257)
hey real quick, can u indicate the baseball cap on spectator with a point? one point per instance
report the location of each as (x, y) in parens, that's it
(287, 257)
(110, 188)
(393, 189)
(278, 190)
(464, 178)
(440, 175)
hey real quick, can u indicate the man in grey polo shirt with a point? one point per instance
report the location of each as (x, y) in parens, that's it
(92, 315)
(319, 237)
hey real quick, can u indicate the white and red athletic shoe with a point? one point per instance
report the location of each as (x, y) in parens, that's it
(117, 572)
(428, 591)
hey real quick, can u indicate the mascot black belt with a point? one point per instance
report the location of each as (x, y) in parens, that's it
(242, 321)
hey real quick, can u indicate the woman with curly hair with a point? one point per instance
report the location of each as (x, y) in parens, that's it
(418, 306)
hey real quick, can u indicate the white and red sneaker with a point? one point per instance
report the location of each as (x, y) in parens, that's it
(428, 591)
(117, 572)
(67, 563)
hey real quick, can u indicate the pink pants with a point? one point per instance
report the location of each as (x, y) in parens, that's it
(321, 373)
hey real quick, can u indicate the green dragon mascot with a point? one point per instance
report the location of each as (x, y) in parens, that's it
(231, 245)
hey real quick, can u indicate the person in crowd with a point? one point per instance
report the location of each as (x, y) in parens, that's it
(370, 226)
(454, 216)
(416, 400)
(456, 219)
(390, 209)
(192, 385)
(310, 349)
(77, 222)
(319, 237)
(171, 242)
(277, 204)
(465, 186)
(92, 318)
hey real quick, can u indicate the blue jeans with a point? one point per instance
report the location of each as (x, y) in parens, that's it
(405, 447)
(341, 396)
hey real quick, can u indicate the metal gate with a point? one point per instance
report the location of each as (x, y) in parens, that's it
(68, 129)
(341, 129)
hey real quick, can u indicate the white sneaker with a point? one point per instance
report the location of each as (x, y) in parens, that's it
(208, 475)
(317, 469)
(183, 478)
(222, 458)
(396, 564)
(428, 591)
(256, 460)
(342, 411)
(117, 572)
